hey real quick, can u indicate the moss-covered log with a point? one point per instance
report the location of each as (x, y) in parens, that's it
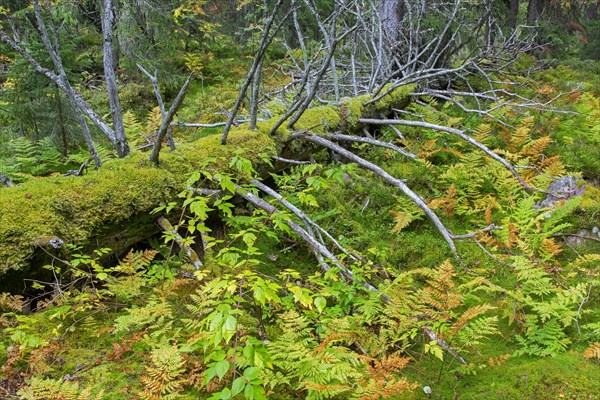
(110, 206)
(100, 206)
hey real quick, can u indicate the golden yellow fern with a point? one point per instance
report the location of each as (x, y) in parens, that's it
(482, 132)
(592, 352)
(153, 120)
(401, 219)
(535, 148)
(163, 377)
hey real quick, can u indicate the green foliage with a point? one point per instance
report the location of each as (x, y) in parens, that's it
(72, 208)
(25, 157)
(579, 137)
(261, 319)
(39, 389)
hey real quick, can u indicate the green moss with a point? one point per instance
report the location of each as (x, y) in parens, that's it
(266, 126)
(351, 110)
(397, 98)
(320, 119)
(567, 376)
(76, 208)
(277, 107)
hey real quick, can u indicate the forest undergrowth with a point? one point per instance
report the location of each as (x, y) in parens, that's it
(514, 315)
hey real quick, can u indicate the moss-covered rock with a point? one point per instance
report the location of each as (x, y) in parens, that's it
(76, 209)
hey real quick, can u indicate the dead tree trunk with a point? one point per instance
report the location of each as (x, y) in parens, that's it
(111, 80)
(59, 77)
(159, 100)
(265, 41)
(164, 126)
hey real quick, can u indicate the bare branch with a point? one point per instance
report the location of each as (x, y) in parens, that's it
(374, 142)
(191, 254)
(398, 183)
(265, 41)
(297, 212)
(456, 132)
(287, 160)
(167, 120)
(159, 100)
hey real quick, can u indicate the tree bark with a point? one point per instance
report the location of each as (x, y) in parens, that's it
(534, 12)
(164, 126)
(111, 80)
(390, 15)
(513, 13)
(255, 95)
(61, 121)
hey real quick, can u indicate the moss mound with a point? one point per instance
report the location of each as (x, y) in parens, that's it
(76, 208)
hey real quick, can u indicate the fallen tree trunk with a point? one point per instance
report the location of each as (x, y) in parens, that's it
(110, 207)
(98, 208)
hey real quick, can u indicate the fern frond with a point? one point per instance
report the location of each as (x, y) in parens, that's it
(592, 352)
(401, 220)
(43, 389)
(471, 334)
(163, 377)
(482, 132)
(535, 148)
(468, 315)
(153, 120)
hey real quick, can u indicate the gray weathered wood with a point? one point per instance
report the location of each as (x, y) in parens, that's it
(111, 80)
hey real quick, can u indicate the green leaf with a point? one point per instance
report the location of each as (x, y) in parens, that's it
(225, 394)
(237, 386)
(229, 327)
(249, 392)
(221, 368)
(320, 303)
(195, 177)
(102, 276)
(251, 373)
(249, 238)
(434, 348)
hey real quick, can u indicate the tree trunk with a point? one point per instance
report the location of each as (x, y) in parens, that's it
(255, 95)
(513, 13)
(111, 80)
(164, 126)
(61, 121)
(390, 14)
(535, 10)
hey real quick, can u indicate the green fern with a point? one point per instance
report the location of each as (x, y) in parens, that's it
(547, 339)
(43, 389)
